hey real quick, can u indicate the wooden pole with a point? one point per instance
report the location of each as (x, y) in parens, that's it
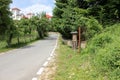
(79, 39)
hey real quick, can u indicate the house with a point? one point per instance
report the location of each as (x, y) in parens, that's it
(30, 15)
(23, 16)
(16, 14)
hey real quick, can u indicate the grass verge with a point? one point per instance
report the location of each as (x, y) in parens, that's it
(100, 60)
(16, 45)
(72, 65)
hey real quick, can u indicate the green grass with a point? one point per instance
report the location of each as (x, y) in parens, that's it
(100, 60)
(73, 65)
(15, 45)
(23, 42)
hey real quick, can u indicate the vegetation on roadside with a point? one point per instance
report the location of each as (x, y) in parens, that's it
(104, 51)
(90, 15)
(100, 60)
(25, 31)
(15, 45)
(99, 21)
(72, 65)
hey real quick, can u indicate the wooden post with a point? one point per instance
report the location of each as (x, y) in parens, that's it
(79, 39)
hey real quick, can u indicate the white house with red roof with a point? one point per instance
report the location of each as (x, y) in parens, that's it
(16, 14)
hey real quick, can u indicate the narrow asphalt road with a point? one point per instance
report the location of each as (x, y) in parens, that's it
(23, 63)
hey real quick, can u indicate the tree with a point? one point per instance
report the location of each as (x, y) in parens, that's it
(42, 24)
(104, 10)
(6, 23)
(66, 16)
(5, 14)
(9, 32)
(69, 14)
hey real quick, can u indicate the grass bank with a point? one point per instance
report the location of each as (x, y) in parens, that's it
(15, 45)
(100, 60)
(23, 41)
(72, 65)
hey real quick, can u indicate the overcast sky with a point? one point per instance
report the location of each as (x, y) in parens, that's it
(34, 6)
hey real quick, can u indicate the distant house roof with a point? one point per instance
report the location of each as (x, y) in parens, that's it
(30, 14)
(24, 17)
(48, 16)
(16, 9)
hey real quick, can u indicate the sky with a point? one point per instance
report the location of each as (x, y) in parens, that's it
(34, 6)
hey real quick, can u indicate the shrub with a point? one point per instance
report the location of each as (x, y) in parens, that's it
(92, 27)
(104, 50)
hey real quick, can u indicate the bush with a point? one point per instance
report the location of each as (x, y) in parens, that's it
(107, 61)
(92, 27)
(104, 50)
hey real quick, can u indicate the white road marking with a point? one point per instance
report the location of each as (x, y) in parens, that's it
(52, 53)
(45, 64)
(49, 59)
(40, 71)
(34, 78)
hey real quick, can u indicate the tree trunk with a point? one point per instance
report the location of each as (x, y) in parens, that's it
(18, 39)
(40, 33)
(9, 39)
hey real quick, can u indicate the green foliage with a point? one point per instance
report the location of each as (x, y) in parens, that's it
(90, 27)
(68, 15)
(5, 14)
(42, 24)
(74, 66)
(25, 30)
(68, 18)
(104, 50)
(104, 10)
(10, 32)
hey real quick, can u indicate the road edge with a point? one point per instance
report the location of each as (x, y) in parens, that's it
(40, 71)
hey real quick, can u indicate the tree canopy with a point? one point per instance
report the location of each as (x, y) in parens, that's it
(5, 14)
(68, 14)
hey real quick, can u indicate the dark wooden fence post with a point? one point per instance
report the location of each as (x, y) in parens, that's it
(79, 39)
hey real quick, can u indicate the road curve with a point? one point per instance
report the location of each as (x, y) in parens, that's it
(23, 63)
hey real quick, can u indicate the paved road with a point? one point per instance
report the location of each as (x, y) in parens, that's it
(23, 63)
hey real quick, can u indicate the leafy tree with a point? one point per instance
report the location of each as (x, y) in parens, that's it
(67, 16)
(104, 10)
(19, 31)
(6, 23)
(5, 14)
(9, 33)
(42, 24)
(58, 11)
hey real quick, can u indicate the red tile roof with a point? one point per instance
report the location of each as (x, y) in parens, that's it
(30, 14)
(16, 9)
(24, 17)
(48, 16)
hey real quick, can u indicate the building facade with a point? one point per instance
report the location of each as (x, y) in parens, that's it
(16, 15)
